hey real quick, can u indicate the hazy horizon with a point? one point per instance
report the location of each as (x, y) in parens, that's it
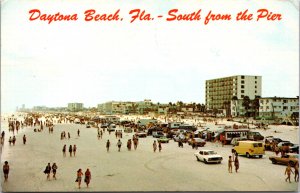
(53, 64)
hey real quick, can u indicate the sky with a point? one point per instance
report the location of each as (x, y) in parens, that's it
(94, 62)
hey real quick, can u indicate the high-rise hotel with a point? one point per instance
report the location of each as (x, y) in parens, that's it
(220, 91)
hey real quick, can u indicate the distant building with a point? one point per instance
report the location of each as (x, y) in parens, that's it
(116, 107)
(75, 107)
(40, 108)
(278, 107)
(219, 92)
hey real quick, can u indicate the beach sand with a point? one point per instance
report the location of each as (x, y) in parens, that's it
(173, 169)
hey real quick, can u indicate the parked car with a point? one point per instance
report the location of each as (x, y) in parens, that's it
(237, 139)
(290, 158)
(141, 134)
(104, 125)
(254, 135)
(180, 137)
(158, 134)
(208, 156)
(197, 141)
(111, 127)
(163, 139)
(88, 126)
(249, 148)
(151, 130)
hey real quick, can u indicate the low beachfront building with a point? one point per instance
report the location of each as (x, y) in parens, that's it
(278, 107)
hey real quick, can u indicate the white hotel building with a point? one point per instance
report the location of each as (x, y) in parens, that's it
(220, 91)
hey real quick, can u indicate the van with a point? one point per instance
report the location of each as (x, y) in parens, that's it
(249, 148)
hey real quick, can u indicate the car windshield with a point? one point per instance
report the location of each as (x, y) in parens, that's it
(210, 153)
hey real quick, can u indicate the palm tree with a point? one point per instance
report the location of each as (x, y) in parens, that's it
(255, 104)
(246, 104)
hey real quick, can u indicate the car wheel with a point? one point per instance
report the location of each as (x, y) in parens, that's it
(205, 161)
(291, 164)
(197, 158)
(274, 161)
(247, 155)
(260, 156)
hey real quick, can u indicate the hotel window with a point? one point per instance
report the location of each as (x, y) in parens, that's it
(255, 82)
(242, 86)
(242, 91)
(255, 77)
(242, 96)
(243, 77)
(255, 86)
(242, 82)
(255, 92)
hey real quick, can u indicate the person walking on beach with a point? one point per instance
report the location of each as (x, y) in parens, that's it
(10, 140)
(154, 146)
(107, 145)
(2, 137)
(24, 139)
(87, 177)
(74, 150)
(54, 168)
(288, 172)
(70, 150)
(129, 144)
(296, 171)
(69, 136)
(79, 177)
(78, 133)
(14, 140)
(47, 171)
(64, 150)
(159, 146)
(230, 164)
(119, 144)
(236, 163)
(135, 142)
(5, 170)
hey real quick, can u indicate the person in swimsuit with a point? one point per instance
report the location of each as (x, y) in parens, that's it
(5, 170)
(47, 171)
(54, 168)
(230, 164)
(70, 150)
(88, 177)
(74, 150)
(288, 172)
(107, 145)
(79, 176)
(64, 150)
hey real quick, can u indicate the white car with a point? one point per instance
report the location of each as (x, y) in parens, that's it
(208, 156)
